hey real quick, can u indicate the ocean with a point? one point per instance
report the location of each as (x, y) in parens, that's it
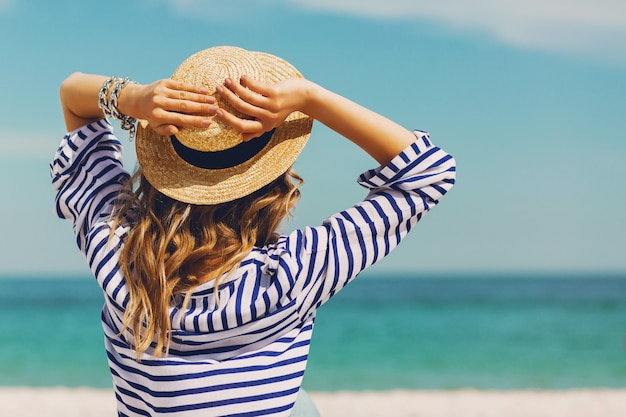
(502, 331)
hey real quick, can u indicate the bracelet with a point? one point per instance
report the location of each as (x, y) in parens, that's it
(108, 103)
(103, 97)
(126, 122)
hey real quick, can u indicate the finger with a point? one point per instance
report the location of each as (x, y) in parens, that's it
(184, 95)
(239, 124)
(249, 136)
(166, 130)
(188, 107)
(258, 87)
(186, 92)
(184, 120)
(192, 108)
(187, 87)
(239, 103)
(246, 94)
(162, 118)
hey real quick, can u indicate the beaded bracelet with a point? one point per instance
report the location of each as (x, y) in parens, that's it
(108, 103)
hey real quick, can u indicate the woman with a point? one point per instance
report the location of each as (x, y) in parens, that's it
(208, 310)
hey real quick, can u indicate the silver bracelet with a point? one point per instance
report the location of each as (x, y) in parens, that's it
(103, 97)
(126, 122)
(108, 103)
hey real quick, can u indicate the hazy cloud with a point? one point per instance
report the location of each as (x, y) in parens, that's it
(570, 25)
(579, 26)
(5, 4)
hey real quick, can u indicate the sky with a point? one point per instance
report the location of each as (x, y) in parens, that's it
(528, 96)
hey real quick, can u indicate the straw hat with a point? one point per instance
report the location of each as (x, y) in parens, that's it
(214, 165)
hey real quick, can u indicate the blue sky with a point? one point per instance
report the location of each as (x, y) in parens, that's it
(528, 96)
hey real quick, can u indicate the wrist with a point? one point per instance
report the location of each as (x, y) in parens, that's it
(109, 102)
(311, 98)
(128, 99)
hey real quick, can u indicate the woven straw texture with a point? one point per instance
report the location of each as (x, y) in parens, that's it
(174, 177)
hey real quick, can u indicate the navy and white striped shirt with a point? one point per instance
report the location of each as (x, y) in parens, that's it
(247, 355)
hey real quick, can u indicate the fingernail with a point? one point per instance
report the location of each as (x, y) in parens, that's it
(228, 81)
(219, 89)
(206, 122)
(204, 90)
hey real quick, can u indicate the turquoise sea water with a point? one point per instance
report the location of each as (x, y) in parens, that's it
(496, 332)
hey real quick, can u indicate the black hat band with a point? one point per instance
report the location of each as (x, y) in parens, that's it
(226, 158)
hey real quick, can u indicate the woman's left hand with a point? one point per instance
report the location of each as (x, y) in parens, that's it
(168, 105)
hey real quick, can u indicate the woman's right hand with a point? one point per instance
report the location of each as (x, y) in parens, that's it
(268, 104)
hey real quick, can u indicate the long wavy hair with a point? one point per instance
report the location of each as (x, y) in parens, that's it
(172, 247)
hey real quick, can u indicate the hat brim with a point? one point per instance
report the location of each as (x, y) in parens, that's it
(164, 168)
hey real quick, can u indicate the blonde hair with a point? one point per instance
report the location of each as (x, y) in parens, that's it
(172, 247)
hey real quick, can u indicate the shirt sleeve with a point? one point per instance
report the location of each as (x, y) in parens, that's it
(325, 258)
(87, 174)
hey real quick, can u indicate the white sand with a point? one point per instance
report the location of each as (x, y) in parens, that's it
(53, 402)
(473, 403)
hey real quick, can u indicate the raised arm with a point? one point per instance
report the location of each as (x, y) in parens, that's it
(271, 104)
(413, 177)
(165, 104)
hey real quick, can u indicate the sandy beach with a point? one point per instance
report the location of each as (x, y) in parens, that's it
(86, 402)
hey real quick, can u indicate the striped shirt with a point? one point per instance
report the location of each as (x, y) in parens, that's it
(246, 355)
